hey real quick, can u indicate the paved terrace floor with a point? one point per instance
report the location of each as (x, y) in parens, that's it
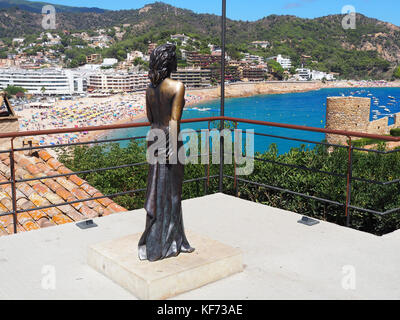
(283, 259)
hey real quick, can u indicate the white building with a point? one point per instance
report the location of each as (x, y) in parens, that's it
(319, 75)
(303, 74)
(180, 37)
(54, 81)
(261, 44)
(117, 82)
(249, 58)
(109, 62)
(286, 63)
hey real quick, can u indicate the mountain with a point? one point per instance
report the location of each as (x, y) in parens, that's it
(36, 6)
(372, 50)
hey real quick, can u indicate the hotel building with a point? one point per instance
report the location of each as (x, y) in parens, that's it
(44, 81)
(117, 82)
(193, 77)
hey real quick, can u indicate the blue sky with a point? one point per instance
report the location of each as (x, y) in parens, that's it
(386, 10)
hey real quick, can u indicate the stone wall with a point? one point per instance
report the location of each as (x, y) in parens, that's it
(353, 114)
(346, 113)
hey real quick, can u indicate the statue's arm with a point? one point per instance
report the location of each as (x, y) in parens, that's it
(178, 104)
(148, 111)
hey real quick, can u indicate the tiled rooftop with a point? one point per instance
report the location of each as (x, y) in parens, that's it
(41, 193)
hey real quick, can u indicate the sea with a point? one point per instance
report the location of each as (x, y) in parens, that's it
(305, 108)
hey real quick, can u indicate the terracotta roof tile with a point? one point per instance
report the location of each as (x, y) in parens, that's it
(71, 212)
(61, 219)
(25, 204)
(53, 198)
(43, 154)
(37, 199)
(63, 193)
(25, 188)
(30, 225)
(55, 164)
(32, 169)
(66, 183)
(45, 222)
(3, 232)
(37, 214)
(75, 179)
(23, 217)
(79, 193)
(24, 162)
(64, 170)
(88, 212)
(89, 189)
(107, 212)
(42, 193)
(7, 203)
(29, 176)
(116, 208)
(4, 156)
(5, 170)
(103, 201)
(41, 188)
(53, 185)
(99, 209)
(3, 208)
(51, 212)
(6, 221)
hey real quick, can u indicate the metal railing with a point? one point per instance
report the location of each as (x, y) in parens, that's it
(349, 178)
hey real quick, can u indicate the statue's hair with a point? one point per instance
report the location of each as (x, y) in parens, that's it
(162, 63)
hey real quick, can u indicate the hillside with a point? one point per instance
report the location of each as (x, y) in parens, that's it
(36, 6)
(372, 50)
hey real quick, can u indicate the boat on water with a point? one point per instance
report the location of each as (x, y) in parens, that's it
(390, 97)
(387, 110)
(390, 104)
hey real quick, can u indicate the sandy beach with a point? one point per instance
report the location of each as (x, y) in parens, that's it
(125, 108)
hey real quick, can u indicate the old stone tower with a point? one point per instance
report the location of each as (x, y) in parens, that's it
(353, 114)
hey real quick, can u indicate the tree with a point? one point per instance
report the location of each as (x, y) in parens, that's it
(13, 90)
(396, 73)
(276, 69)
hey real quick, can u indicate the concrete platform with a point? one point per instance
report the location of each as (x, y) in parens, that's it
(118, 260)
(282, 259)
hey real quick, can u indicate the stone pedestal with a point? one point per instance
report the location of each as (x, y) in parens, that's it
(118, 260)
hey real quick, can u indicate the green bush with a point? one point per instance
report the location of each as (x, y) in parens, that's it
(395, 132)
(366, 166)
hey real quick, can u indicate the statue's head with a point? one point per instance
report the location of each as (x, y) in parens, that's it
(162, 63)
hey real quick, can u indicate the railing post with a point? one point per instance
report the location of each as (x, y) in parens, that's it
(13, 186)
(349, 178)
(234, 165)
(222, 113)
(207, 167)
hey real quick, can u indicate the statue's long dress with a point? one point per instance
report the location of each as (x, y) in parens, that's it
(164, 234)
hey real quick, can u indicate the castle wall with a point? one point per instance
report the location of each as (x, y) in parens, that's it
(379, 126)
(347, 113)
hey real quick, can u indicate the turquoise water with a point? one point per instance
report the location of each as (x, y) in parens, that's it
(307, 109)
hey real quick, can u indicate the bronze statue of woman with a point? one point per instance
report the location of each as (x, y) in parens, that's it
(164, 234)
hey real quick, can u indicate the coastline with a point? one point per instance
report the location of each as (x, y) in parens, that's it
(136, 111)
(243, 90)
